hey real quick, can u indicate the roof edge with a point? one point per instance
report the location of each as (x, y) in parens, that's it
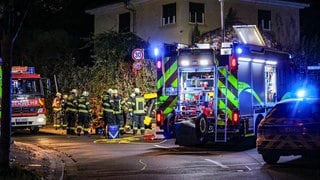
(280, 3)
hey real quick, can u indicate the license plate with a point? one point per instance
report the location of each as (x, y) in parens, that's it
(292, 130)
(22, 120)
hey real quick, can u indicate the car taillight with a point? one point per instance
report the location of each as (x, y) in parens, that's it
(235, 117)
(159, 118)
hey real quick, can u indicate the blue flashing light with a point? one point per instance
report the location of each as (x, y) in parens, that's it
(301, 93)
(239, 50)
(156, 52)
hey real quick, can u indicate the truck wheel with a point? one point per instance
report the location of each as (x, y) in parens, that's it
(34, 130)
(201, 129)
(168, 128)
(270, 158)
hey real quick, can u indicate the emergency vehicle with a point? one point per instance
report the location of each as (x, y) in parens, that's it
(28, 100)
(206, 94)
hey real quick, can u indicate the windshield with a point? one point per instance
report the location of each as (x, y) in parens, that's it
(297, 109)
(25, 86)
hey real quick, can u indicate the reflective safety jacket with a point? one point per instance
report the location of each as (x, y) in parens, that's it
(71, 104)
(106, 105)
(139, 105)
(57, 104)
(83, 105)
(118, 104)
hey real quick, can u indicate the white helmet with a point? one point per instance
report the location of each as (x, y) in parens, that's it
(58, 94)
(74, 91)
(136, 90)
(114, 91)
(85, 93)
(132, 95)
(109, 91)
(65, 96)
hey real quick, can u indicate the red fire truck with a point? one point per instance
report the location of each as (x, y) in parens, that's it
(219, 95)
(28, 100)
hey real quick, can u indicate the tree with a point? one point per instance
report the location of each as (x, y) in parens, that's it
(11, 24)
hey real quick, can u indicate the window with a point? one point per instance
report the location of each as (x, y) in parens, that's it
(264, 19)
(169, 14)
(196, 13)
(124, 22)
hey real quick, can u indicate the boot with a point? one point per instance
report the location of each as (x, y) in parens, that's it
(134, 132)
(142, 132)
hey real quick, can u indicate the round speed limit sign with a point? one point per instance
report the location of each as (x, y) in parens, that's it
(137, 54)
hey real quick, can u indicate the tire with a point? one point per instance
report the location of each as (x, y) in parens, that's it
(270, 158)
(34, 130)
(168, 127)
(258, 120)
(202, 129)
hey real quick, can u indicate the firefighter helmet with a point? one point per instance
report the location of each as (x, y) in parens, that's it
(58, 94)
(74, 91)
(137, 90)
(65, 96)
(109, 91)
(85, 93)
(132, 95)
(114, 91)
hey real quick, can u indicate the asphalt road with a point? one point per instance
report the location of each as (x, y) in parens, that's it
(79, 157)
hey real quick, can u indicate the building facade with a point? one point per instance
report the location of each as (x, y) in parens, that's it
(168, 21)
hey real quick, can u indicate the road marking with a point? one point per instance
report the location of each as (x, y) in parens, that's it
(159, 146)
(217, 163)
(144, 165)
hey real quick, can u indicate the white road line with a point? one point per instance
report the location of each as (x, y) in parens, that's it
(163, 147)
(217, 163)
(144, 165)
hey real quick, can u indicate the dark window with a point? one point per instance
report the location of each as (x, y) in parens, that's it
(264, 19)
(196, 13)
(297, 109)
(169, 14)
(124, 22)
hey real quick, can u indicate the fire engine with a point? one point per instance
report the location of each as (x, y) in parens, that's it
(28, 100)
(205, 94)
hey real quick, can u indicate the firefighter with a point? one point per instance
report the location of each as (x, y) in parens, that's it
(107, 110)
(64, 123)
(57, 111)
(118, 105)
(71, 111)
(129, 104)
(83, 114)
(138, 106)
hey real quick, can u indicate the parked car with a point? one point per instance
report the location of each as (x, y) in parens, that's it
(292, 127)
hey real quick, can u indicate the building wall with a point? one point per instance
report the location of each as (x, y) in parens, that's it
(284, 20)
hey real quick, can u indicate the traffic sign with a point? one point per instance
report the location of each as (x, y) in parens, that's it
(137, 54)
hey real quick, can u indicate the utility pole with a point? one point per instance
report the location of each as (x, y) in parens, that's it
(222, 19)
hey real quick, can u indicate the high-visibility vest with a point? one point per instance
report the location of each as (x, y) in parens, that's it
(83, 105)
(139, 105)
(117, 105)
(57, 104)
(106, 104)
(72, 104)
